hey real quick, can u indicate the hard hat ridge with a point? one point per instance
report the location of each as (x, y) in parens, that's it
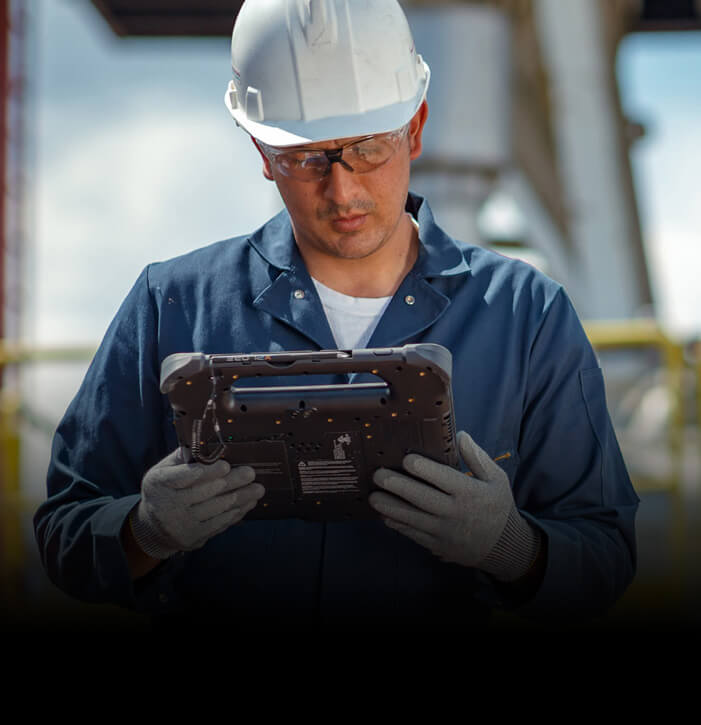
(319, 21)
(313, 70)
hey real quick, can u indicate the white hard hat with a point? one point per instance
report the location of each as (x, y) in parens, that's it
(316, 70)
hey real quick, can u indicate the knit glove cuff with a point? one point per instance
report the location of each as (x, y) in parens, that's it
(515, 551)
(149, 539)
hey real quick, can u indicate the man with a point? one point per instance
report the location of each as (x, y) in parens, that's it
(333, 95)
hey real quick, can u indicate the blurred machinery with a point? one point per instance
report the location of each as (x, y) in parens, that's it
(524, 101)
(524, 104)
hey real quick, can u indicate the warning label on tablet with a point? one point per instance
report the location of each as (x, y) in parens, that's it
(331, 469)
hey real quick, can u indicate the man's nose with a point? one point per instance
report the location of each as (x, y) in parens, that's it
(340, 185)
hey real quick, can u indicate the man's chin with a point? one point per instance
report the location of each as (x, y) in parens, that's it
(354, 247)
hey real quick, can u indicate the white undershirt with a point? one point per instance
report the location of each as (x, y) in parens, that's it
(352, 319)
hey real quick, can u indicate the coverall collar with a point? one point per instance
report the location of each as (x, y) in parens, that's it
(439, 255)
(417, 304)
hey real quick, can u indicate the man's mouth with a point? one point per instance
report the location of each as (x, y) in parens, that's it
(348, 223)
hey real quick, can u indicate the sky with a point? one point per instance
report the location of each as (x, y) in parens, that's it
(134, 158)
(660, 84)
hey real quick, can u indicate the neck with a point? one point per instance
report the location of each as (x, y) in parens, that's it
(378, 275)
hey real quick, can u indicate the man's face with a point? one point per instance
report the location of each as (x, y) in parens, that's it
(349, 215)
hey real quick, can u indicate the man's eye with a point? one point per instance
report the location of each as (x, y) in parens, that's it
(367, 151)
(302, 160)
(314, 161)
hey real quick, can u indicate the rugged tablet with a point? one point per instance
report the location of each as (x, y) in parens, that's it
(314, 446)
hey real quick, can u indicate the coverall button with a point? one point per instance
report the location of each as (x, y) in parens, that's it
(299, 294)
(409, 299)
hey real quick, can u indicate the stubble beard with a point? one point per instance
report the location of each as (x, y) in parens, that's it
(355, 245)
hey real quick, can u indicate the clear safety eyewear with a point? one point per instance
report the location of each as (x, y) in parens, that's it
(358, 156)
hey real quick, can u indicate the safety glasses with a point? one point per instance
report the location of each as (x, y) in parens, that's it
(358, 156)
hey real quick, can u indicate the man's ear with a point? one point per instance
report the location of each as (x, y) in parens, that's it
(267, 170)
(416, 127)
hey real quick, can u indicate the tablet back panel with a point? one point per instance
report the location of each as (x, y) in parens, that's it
(314, 446)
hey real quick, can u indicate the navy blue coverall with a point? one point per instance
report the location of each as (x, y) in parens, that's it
(527, 387)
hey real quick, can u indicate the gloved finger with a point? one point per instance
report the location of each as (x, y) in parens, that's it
(227, 500)
(200, 491)
(173, 473)
(440, 475)
(221, 522)
(251, 493)
(235, 476)
(240, 476)
(402, 512)
(179, 456)
(213, 507)
(185, 454)
(420, 537)
(189, 475)
(477, 460)
(204, 490)
(416, 492)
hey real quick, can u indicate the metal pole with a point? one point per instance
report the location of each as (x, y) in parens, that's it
(4, 105)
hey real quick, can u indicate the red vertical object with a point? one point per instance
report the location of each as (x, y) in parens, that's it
(4, 103)
(12, 22)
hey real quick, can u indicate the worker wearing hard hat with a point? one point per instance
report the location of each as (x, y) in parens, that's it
(333, 94)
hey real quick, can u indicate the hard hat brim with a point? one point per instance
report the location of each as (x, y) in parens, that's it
(296, 133)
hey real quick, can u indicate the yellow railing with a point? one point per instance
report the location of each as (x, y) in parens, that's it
(604, 335)
(13, 504)
(695, 361)
(21, 353)
(14, 353)
(647, 333)
(11, 546)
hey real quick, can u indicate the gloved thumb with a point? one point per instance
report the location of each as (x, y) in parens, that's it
(477, 459)
(175, 458)
(184, 455)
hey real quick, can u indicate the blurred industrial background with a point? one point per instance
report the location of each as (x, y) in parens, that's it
(563, 132)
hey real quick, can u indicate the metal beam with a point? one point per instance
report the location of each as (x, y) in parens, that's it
(157, 18)
(667, 15)
(215, 17)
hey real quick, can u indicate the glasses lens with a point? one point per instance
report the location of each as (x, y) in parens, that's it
(369, 154)
(302, 165)
(363, 156)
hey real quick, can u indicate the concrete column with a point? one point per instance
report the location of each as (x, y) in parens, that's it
(590, 158)
(467, 139)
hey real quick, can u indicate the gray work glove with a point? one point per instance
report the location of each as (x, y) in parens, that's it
(470, 520)
(183, 505)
